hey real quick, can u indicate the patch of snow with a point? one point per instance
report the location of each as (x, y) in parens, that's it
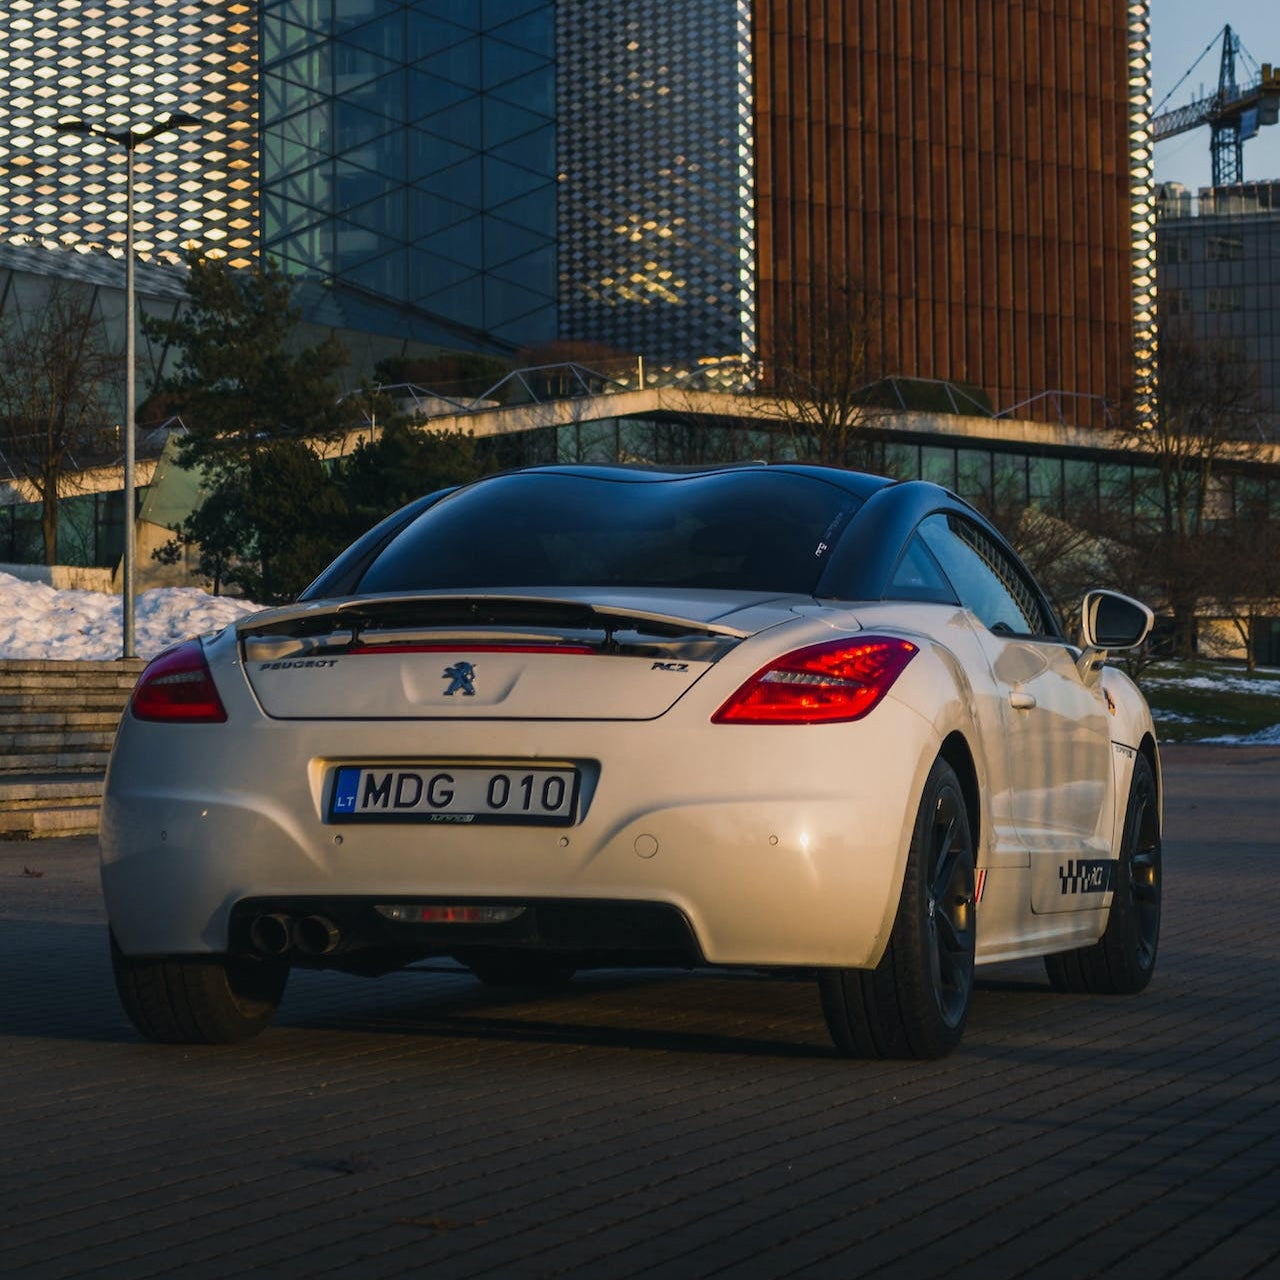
(1170, 717)
(1215, 684)
(1263, 738)
(39, 621)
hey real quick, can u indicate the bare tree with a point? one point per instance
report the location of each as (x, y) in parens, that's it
(1205, 423)
(1246, 580)
(818, 374)
(55, 366)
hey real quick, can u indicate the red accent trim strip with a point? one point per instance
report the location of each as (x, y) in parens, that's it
(583, 649)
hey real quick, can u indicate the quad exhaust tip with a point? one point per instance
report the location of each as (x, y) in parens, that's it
(275, 934)
(316, 935)
(271, 934)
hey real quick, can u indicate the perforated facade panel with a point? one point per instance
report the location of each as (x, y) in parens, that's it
(123, 63)
(657, 241)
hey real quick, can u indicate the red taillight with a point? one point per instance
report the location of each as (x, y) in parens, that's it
(177, 687)
(836, 680)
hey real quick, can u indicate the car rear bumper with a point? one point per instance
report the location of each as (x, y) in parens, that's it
(777, 847)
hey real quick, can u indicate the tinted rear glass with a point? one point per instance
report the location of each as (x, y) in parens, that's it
(740, 530)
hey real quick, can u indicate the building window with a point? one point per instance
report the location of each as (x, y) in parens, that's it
(1225, 298)
(1224, 249)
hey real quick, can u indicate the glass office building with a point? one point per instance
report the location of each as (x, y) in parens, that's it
(1219, 278)
(409, 150)
(676, 178)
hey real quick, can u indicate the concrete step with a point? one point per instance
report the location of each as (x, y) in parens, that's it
(84, 698)
(33, 824)
(55, 760)
(13, 689)
(55, 668)
(52, 789)
(37, 740)
(27, 674)
(57, 723)
(60, 720)
(36, 805)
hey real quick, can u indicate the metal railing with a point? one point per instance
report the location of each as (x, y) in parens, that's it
(574, 381)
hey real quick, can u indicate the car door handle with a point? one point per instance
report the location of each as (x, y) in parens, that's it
(1021, 701)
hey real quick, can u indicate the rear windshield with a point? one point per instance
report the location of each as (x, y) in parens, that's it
(739, 530)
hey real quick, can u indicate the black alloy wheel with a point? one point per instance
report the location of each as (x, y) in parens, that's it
(915, 1002)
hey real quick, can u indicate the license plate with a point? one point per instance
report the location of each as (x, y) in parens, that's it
(454, 793)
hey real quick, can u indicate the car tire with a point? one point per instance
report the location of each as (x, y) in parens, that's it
(915, 1002)
(198, 999)
(1122, 961)
(519, 968)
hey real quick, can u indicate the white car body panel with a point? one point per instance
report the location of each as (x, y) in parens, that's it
(798, 868)
(763, 865)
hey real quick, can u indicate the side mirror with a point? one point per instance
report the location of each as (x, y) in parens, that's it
(1109, 620)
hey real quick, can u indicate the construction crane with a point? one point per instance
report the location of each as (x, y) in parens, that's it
(1235, 113)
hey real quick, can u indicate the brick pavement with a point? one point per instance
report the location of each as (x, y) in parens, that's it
(673, 1126)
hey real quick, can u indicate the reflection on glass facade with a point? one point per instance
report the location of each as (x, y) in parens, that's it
(408, 149)
(657, 248)
(678, 178)
(1219, 280)
(122, 63)
(1078, 487)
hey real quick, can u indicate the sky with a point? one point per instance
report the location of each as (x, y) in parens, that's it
(1180, 31)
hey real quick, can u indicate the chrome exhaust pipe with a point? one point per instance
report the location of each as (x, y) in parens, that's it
(271, 935)
(316, 935)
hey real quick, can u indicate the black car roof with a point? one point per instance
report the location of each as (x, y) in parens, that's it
(862, 564)
(859, 483)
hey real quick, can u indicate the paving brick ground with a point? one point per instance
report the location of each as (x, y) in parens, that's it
(670, 1127)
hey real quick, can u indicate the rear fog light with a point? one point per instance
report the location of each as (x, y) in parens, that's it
(432, 913)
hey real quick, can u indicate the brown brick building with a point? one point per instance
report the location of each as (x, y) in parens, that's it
(968, 164)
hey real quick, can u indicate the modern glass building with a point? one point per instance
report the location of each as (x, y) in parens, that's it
(1219, 278)
(678, 179)
(409, 150)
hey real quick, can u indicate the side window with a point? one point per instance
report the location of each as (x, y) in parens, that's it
(918, 576)
(987, 581)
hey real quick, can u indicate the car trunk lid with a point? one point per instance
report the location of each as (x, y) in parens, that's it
(520, 656)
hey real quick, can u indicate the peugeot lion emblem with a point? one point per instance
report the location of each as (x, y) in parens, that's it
(462, 679)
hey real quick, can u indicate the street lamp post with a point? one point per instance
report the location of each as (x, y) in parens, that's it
(130, 139)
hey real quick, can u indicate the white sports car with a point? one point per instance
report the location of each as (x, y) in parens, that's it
(782, 717)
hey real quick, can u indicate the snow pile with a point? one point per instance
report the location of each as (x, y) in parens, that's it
(39, 621)
(1263, 738)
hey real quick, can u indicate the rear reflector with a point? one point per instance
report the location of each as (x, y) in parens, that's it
(821, 684)
(177, 687)
(433, 913)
